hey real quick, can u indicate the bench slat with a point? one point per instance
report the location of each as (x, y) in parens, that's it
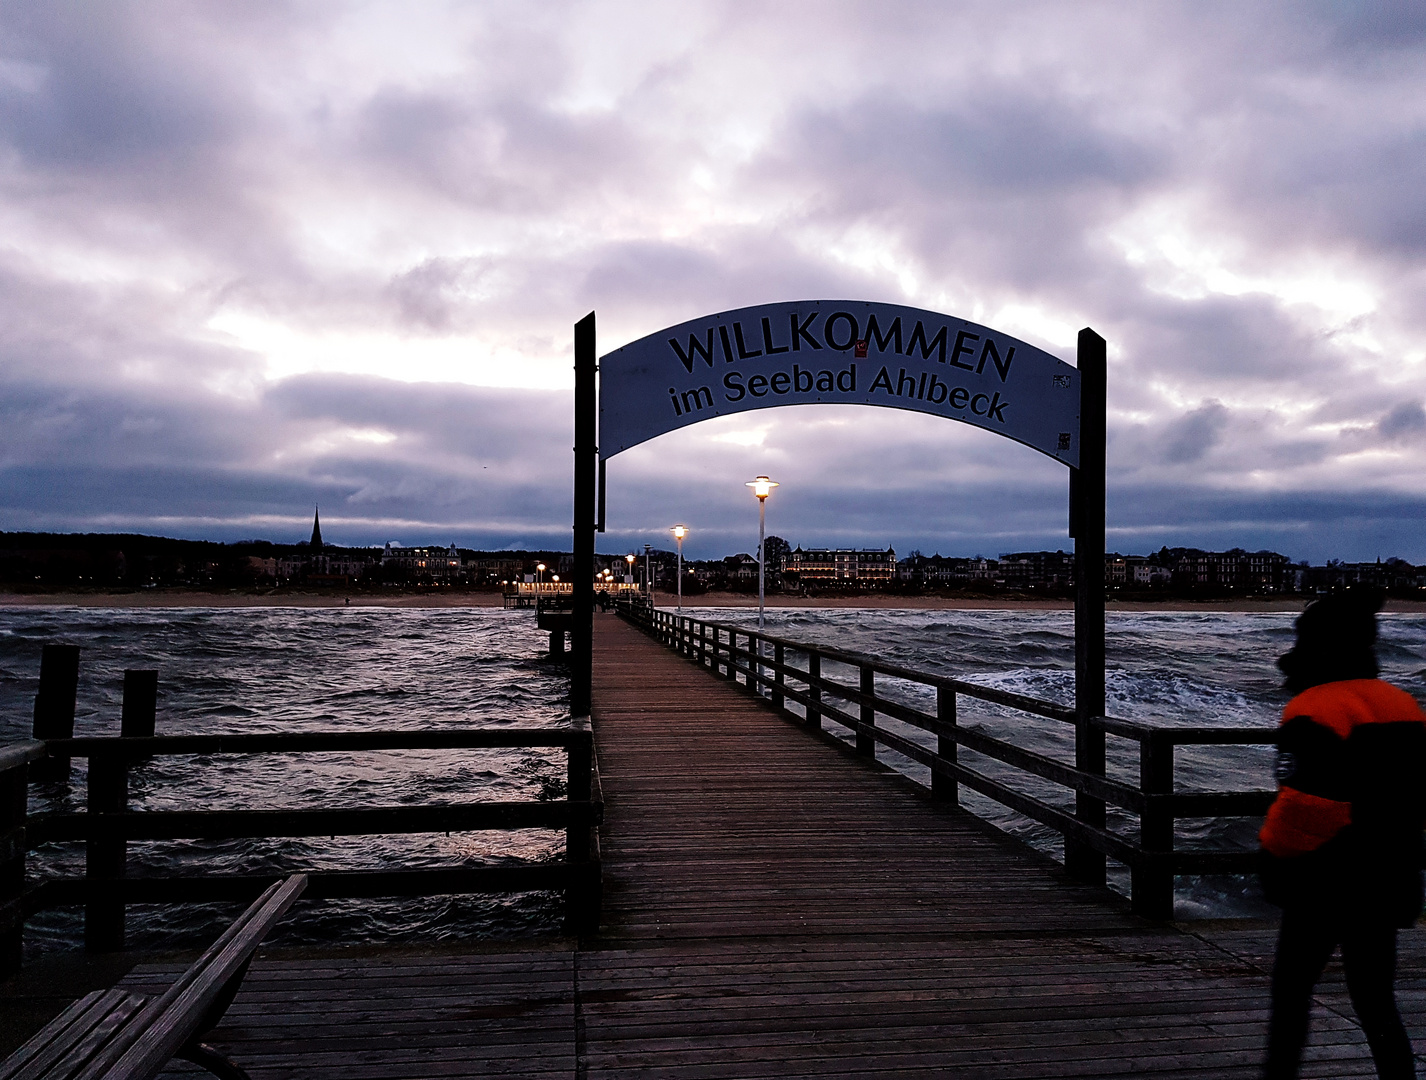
(125, 1013)
(71, 1027)
(173, 1019)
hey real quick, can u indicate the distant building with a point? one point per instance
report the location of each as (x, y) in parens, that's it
(1397, 574)
(741, 567)
(1235, 570)
(438, 564)
(1037, 569)
(316, 542)
(847, 566)
(947, 571)
(1135, 570)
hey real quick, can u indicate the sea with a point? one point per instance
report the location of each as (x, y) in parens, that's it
(361, 668)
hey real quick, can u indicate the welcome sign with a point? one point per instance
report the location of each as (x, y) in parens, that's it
(847, 352)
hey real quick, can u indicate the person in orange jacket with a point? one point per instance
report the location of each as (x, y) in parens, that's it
(1342, 844)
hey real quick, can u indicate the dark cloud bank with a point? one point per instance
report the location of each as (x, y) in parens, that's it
(240, 238)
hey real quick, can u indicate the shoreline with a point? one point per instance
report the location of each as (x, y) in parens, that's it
(187, 598)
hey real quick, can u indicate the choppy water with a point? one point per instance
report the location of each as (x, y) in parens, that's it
(289, 669)
(1212, 669)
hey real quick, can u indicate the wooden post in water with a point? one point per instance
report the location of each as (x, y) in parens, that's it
(54, 706)
(1087, 528)
(140, 706)
(945, 788)
(105, 859)
(1151, 888)
(586, 477)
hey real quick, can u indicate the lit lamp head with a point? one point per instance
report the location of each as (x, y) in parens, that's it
(762, 487)
(679, 532)
(540, 567)
(556, 577)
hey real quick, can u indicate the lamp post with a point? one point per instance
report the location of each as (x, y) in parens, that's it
(539, 574)
(679, 532)
(630, 577)
(648, 573)
(762, 488)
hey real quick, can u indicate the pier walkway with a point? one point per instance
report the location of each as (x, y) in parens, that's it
(777, 908)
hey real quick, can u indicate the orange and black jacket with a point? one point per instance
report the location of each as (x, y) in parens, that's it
(1344, 833)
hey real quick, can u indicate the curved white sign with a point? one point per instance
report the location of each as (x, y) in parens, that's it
(838, 352)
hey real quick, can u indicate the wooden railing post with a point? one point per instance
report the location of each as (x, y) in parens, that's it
(732, 660)
(866, 744)
(578, 789)
(105, 858)
(1151, 885)
(54, 706)
(14, 801)
(814, 689)
(945, 788)
(777, 678)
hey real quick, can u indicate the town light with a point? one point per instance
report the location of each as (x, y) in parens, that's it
(679, 532)
(762, 488)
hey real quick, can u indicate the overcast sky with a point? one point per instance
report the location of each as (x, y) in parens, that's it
(258, 256)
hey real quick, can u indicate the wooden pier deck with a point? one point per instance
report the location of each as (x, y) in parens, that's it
(776, 908)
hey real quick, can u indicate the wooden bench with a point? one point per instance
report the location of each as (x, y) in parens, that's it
(116, 1035)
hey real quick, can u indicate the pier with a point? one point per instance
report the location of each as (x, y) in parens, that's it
(777, 904)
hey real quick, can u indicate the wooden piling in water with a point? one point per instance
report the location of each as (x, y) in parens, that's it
(54, 706)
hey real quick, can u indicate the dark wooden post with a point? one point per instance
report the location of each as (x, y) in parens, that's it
(814, 689)
(14, 800)
(54, 706)
(104, 859)
(945, 788)
(1087, 518)
(1151, 888)
(866, 744)
(777, 679)
(732, 660)
(586, 476)
(140, 706)
(579, 785)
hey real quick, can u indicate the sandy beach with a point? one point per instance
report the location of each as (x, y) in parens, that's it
(190, 598)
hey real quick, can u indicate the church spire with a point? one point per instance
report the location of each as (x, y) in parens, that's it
(316, 541)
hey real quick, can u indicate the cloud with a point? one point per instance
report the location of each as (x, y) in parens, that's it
(1188, 438)
(266, 255)
(1405, 421)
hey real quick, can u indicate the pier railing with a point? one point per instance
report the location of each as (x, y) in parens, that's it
(107, 825)
(759, 662)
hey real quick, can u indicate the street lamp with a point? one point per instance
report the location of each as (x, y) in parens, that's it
(679, 532)
(648, 573)
(540, 575)
(762, 488)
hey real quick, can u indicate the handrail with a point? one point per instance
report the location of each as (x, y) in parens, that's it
(107, 825)
(1151, 856)
(310, 742)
